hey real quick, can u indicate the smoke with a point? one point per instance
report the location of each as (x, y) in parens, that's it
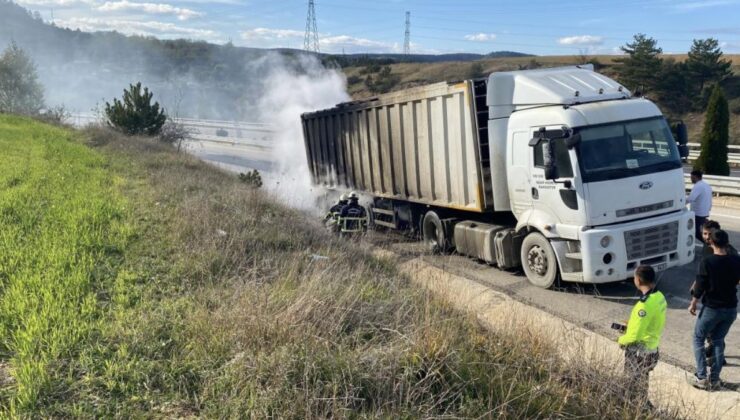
(290, 90)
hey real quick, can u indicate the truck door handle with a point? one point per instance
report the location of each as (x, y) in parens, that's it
(535, 193)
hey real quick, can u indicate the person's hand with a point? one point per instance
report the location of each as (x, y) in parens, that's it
(692, 308)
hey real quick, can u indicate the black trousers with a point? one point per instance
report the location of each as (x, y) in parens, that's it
(637, 366)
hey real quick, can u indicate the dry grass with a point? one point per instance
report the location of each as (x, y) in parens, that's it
(217, 307)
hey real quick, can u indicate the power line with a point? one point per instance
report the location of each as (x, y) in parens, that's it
(407, 39)
(311, 39)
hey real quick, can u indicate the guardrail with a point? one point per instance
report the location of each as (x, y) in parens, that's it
(721, 185)
(733, 155)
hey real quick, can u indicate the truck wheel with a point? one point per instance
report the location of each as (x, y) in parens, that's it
(539, 261)
(433, 233)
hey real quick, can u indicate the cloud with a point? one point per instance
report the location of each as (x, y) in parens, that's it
(133, 27)
(270, 34)
(582, 40)
(346, 40)
(480, 37)
(56, 3)
(694, 5)
(149, 8)
(268, 37)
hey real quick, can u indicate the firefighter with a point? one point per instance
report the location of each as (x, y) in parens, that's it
(352, 217)
(642, 337)
(331, 220)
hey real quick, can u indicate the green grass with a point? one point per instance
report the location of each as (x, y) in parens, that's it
(138, 282)
(61, 226)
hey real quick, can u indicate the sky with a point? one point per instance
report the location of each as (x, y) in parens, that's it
(541, 27)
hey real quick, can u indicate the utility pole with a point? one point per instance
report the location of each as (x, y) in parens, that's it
(407, 39)
(311, 40)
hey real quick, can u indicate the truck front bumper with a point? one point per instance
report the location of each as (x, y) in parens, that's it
(661, 242)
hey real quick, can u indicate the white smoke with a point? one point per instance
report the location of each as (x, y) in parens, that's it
(290, 91)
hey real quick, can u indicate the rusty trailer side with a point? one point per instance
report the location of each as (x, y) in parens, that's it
(420, 145)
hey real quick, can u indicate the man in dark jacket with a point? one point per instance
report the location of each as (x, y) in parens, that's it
(352, 217)
(716, 286)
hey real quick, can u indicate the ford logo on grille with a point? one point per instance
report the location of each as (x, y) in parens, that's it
(646, 185)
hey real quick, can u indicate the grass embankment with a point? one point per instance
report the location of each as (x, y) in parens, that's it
(139, 282)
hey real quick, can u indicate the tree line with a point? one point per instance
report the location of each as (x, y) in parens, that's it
(679, 87)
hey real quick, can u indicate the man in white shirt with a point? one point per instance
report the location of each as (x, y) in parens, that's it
(700, 200)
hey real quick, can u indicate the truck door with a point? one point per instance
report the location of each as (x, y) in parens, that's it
(560, 199)
(519, 176)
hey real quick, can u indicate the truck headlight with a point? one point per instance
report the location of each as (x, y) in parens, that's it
(690, 240)
(605, 241)
(690, 223)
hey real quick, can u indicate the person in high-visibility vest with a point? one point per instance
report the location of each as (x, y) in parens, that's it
(642, 337)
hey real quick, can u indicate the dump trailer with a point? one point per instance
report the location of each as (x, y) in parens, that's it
(561, 172)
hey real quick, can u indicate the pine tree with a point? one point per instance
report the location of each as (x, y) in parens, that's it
(135, 114)
(714, 136)
(705, 63)
(640, 68)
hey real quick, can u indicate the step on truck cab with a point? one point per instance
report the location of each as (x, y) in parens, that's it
(558, 171)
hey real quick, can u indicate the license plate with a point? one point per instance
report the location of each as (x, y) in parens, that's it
(660, 267)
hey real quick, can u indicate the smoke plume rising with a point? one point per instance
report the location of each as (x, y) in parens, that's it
(288, 92)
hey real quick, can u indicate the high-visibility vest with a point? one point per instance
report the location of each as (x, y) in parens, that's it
(646, 321)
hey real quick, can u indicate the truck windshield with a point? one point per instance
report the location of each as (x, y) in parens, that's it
(625, 149)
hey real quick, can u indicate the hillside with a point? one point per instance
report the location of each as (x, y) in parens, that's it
(414, 74)
(139, 282)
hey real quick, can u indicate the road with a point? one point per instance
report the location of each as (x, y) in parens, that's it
(594, 307)
(236, 157)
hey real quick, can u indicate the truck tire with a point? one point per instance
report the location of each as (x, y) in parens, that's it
(539, 261)
(433, 233)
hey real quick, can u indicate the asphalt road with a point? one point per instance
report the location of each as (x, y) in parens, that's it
(594, 307)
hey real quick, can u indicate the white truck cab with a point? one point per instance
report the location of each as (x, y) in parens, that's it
(614, 195)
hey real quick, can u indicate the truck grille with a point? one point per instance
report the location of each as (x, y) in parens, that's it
(656, 240)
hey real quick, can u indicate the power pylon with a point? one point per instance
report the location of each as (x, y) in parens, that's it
(407, 39)
(311, 40)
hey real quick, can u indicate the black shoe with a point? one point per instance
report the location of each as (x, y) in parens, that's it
(715, 385)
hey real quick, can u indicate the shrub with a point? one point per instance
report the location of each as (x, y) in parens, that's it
(135, 114)
(251, 178)
(383, 82)
(20, 91)
(174, 133)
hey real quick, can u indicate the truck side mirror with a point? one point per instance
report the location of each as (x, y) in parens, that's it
(683, 151)
(682, 134)
(548, 155)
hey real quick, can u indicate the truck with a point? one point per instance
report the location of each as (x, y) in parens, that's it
(561, 172)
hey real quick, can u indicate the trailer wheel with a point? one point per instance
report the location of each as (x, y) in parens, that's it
(539, 261)
(433, 233)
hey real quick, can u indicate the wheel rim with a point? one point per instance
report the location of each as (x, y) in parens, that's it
(537, 260)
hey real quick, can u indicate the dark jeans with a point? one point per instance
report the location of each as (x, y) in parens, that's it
(698, 223)
(637, 366)
(713, 323)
